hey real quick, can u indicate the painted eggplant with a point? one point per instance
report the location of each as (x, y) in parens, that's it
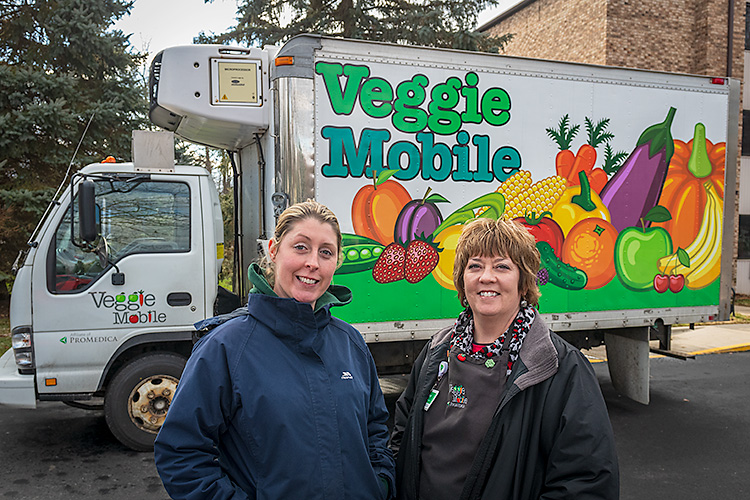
(418, 219)
(637, 185)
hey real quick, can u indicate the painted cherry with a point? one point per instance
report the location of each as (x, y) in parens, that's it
(661, 283)
(676, 282)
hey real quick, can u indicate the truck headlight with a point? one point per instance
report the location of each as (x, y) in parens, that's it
(21, 340)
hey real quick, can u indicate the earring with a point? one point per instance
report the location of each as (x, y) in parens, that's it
(464, 302)
(524, 303)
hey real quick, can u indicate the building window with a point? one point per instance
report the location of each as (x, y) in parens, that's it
(743, 245)
(745, 133)
(747, 26)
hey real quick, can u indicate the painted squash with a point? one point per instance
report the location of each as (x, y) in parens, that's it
(692, 164)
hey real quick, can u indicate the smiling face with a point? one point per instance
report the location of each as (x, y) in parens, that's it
(491, 289)
(304, 260)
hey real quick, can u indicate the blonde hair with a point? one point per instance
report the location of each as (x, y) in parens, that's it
(506, 238)
(309, 209)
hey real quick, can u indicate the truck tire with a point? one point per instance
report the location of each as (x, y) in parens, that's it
(137, 399)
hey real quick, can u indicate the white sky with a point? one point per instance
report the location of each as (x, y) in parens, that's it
(158, 24)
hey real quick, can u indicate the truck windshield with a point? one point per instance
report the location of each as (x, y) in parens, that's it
(152, 217)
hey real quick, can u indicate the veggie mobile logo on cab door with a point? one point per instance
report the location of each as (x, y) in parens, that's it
(135, 308)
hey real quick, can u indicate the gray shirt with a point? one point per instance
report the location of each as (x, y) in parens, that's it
(457, 420)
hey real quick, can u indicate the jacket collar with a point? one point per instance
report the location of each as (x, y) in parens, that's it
(288, 318)
(538, 356)
(336, 295)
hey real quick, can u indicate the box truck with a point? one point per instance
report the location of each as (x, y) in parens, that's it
(623, 176)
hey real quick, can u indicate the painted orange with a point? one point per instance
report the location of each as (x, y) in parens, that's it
(590, 246)
(375, 210)
(683, 193)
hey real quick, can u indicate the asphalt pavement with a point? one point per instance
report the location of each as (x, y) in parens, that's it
(708, 338)
(690, 442)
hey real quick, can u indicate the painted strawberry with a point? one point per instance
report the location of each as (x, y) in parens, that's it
(421, 259)
(390, 265)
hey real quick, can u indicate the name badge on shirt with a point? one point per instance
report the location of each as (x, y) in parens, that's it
(433, 394)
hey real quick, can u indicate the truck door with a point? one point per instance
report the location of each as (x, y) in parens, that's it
(81, 315)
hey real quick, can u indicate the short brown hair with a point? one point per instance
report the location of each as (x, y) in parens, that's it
(298, 212)
(506, 238)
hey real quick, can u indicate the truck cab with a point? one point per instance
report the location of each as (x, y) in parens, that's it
(112, 318)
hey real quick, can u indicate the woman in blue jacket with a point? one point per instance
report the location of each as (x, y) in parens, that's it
(283, 401)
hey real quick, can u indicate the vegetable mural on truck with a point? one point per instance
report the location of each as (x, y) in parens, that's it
(615, 229)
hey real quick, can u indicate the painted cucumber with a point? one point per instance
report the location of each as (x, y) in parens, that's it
(560, 273)
(360, 257)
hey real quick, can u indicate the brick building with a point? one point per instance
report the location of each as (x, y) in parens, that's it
(703, 37)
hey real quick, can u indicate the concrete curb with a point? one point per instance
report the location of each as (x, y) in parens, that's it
(703, 339)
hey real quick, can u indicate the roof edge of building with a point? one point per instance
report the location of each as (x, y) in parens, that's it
(500, 17)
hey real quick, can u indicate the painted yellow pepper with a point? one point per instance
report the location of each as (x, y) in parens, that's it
(578, 203)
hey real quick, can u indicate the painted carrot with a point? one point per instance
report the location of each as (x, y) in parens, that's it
(564, 163)
(563, 135)
(597, 179)
(585, 161)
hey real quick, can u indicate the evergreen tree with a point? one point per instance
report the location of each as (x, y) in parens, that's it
(60, 64)
(433, 23)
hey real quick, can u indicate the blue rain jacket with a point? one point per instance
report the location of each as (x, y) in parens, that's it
(282, 402)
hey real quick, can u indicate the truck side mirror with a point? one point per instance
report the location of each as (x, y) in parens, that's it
(87, 211)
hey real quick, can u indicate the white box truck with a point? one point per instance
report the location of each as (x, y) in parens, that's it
(619, 173)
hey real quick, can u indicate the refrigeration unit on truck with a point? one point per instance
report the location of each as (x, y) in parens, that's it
(619, 174)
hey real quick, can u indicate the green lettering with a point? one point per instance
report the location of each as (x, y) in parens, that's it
(461, 151)
(347, 158)
(376, 97)
(444, 97)
(397, 151)
(483, 174)
(410, 95)
(431, 151)
(505, 162)
(471, 94)
(496, 106)
(342, 100)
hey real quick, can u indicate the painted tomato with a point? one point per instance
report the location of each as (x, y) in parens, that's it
(544, 229)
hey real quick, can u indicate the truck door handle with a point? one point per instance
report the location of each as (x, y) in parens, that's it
(176, 299)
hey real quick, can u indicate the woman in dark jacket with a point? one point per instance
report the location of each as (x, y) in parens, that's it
(282, 401)
(498, 406)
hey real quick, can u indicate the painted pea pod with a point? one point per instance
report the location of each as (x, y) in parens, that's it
(359, 257)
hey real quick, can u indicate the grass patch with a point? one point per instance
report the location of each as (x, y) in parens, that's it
(4, 334)
(740, 318)
(742, 300)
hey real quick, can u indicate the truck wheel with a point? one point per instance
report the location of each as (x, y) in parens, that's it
(139, 396)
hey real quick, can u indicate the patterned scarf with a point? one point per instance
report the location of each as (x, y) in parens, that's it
(462, 336)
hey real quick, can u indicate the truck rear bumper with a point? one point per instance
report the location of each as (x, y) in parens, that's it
(15, 389)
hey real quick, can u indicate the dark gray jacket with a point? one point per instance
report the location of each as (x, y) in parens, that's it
(550, 438)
